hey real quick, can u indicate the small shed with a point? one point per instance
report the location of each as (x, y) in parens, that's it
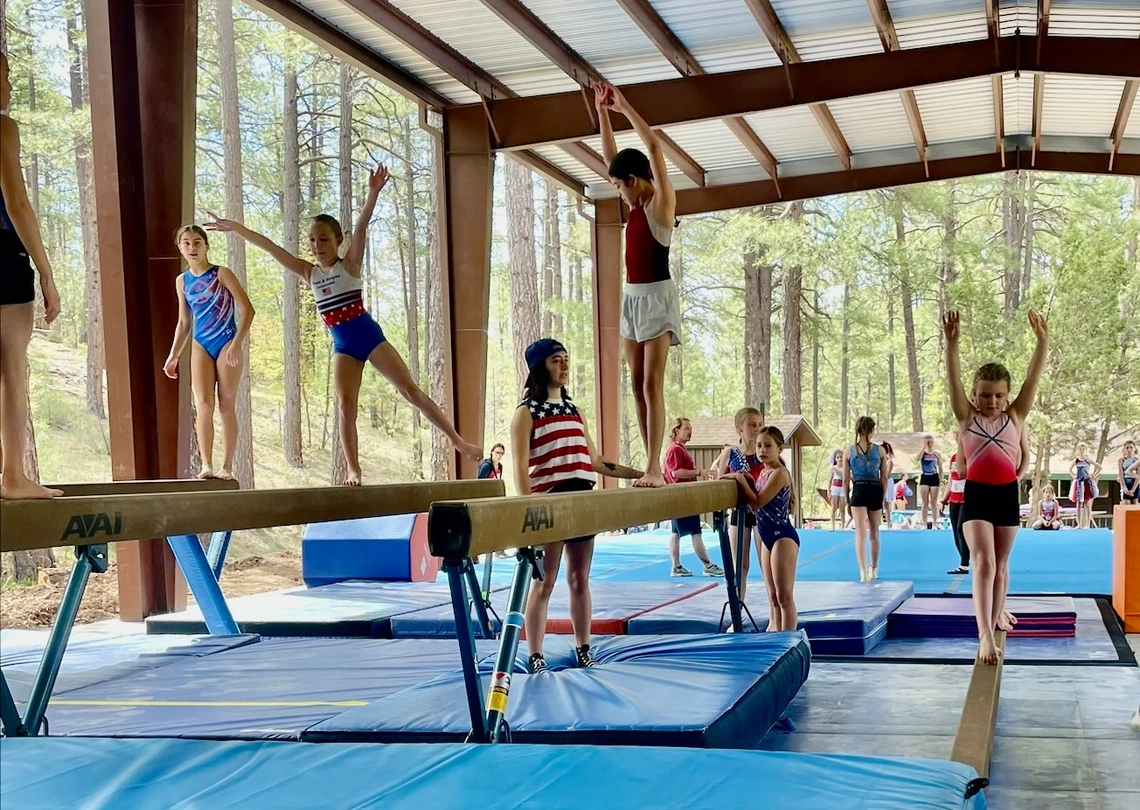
(712, 433)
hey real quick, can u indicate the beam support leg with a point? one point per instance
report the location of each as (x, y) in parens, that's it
(606, 245)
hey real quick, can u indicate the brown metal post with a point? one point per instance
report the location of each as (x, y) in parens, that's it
(143, 58)
(606, 243)
(465, 241)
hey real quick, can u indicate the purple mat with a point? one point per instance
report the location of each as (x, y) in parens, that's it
(934, 617)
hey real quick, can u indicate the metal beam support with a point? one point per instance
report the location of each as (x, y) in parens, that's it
(762, 192)
(1127, 99)
(1038, 107)
(558, 117)
(527, 25)
(302, 21)
(606, 249)
(881, 14)
(143, 75)
(465, 240)
(998, 95)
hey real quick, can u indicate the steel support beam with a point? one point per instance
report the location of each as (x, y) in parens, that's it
(465, 240)
(606, 247)
(143, 59)
(558, 117)
(762, 192)
(1038, 114)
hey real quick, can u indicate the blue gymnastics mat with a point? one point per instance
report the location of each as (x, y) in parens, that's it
(840, 618)
(274, 689)
(721, 691)
(42, 773)
(615, 605)
(352, 609)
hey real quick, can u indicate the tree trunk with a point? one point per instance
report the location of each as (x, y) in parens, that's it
(1027, 258)
(291, 308)
(948, 275)
(440, 446)
(524, 275)
(906, 292)
(577, 296)
(1013, 231)
(815, 364)
(556, 323)
(92, 298)
(758, 327)
(892, 385)
(550, 293)
(791, 388)
(235, 208)
(845, 357)
(412, 293)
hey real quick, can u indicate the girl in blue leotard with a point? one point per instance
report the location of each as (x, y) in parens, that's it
(213, 307)
(357, 339)
(771, 497)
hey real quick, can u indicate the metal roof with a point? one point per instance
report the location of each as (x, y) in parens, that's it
(621, 40)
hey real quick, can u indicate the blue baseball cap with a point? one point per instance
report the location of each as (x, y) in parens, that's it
(538, 352)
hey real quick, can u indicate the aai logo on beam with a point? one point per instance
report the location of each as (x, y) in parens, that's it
(86, 527)
(538, 518)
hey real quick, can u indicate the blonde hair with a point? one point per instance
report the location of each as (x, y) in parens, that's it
(744, 413)
(680, 423)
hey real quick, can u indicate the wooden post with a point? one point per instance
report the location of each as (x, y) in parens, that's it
(606, 245)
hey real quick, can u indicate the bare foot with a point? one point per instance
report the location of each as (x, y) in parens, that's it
(650, 479)
(988, 652)
(206, 472)
(27, 490)
(225, 474)
(352, 478)
(472, 451)
(1006, 621)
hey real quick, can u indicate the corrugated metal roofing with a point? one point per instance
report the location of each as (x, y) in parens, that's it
(721, 34)
(1014, 14)
(923, 23)
(791, 133)
(1095, 18)
(711, 144)
(567, 164)
(1017, 93)
(870, 123)
(1080, 105)
(829, 29)
(476, 32)
(1132, 130)
(956, 111)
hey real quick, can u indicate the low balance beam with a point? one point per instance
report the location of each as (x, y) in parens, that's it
(458, 530)
(93, 519)
(974, 742)
(147, 487)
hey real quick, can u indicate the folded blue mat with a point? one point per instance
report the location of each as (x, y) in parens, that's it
(46, 772)
(718, 691)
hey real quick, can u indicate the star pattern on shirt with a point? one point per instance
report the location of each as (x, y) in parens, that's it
(550, 408)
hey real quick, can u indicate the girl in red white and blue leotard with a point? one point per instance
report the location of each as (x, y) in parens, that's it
(1084, 489)
(337, 286)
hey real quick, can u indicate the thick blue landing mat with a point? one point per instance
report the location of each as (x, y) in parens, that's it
(615, 605)
(1070, 561)
(98, 659)
(41, 773)
(840, 618)
(721, 691)
(356, 609)
(274, 689)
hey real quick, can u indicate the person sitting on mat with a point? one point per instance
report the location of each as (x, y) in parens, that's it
(1048, 511)
(551, 451)
(1084, 490)
(214, 307)
(771, 497)
(742, 457)
(1128, 473)
(929, 461)
(865, 475)
(357, 339)
(651, 308)
(990, 429)
(679, 468)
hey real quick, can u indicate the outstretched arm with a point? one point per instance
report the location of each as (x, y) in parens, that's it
(602, 465)
(1024, 402)
(22, 214)
(958, 401)
(354, 258)
(603, 103)
(283, 257)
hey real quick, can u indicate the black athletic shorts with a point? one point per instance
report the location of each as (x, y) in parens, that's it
(687, 525)
(573, 485)
(867, 494)
(17, 280)
(996, 504)
(929, 480)
(749, 518)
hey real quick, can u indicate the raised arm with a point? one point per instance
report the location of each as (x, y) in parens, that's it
(603, 103)
(182, 332)
(959, 403)
(1024, 402)
(22, 214)
(602, 465)
(521, 425)
(283, 257)
(243, 317)
(665, 197)
(354, 258)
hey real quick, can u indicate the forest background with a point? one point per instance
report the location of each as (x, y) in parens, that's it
(828, 308)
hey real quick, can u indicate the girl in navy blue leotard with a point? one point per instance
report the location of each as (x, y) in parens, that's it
(771, 498)
(214, 308)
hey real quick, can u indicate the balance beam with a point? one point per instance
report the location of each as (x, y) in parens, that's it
(94, 519)
(147, 487)
(974, 742)
(462, 529)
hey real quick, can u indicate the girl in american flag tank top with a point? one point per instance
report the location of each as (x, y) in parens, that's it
(551, 451)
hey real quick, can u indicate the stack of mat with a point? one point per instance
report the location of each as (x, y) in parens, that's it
(953, 617)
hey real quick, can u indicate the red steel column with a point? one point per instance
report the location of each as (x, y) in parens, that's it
(465, 241)
(606, 243)
(143, 63)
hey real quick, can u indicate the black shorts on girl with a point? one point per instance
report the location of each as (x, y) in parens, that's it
(867, 494)
(749, 518)
(929, 480)
(17, 281)
(996, 504)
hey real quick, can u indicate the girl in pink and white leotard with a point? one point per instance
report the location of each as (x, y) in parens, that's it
(989, 442)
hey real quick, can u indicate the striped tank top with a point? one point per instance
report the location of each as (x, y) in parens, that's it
(558, 452)
(338, 293)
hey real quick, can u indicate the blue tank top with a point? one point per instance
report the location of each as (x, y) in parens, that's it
(929, 464)
(212, 305)
(774, 514)
(865, 467)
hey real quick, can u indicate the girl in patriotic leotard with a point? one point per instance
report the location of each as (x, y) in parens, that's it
(736, 458)
(1049, 512)
(990, 428)
(1084, 489)
(836, 491)
(357, 339)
